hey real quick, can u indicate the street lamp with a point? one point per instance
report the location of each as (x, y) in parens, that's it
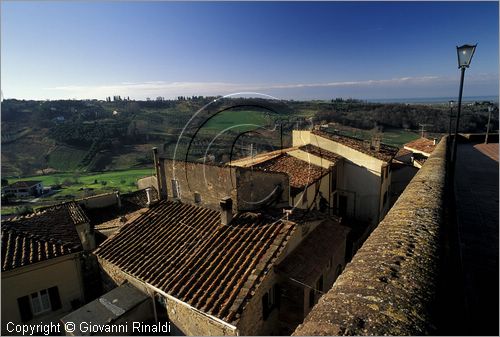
(464, 54)
(490, 110)
(451, 116)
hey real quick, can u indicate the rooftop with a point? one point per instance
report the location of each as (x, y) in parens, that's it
(422, 144)
(41, 236)
(24, 183)
(131, 203)
(322, 153)
(385, 153)
(402, 152)
(301, 173)
(186, 252)
(107, 309)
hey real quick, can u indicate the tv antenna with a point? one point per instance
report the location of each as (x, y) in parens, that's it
(422, 128)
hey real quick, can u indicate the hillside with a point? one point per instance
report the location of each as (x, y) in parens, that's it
(40, 137)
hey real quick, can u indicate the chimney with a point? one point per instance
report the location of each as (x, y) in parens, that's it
(375, 143)
(287, 213)
(148, 196)
(118, 199)
(161, 183)
(434, 141)
(366, 144)
(226, 210)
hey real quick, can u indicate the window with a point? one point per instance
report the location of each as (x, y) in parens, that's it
(319, 284)
(330, 262)
(265, 307)
(176, 193)
(314, 294)
(338, 271)
(334, 181)
(38, 303)
(385, 198)
(197, 197)
(270, 300)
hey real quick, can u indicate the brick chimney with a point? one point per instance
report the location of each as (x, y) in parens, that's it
(161, 180)
(226, 210)
(375, 143)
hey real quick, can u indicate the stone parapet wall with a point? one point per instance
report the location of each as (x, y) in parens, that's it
(390, 286)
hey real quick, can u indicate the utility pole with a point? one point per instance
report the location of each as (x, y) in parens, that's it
(490, 110)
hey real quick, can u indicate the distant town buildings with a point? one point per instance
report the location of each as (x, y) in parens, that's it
(24, 188)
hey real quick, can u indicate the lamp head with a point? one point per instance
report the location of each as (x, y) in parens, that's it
(465, 54)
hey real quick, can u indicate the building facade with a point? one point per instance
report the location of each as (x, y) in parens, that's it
(41, 265)
(23, 189)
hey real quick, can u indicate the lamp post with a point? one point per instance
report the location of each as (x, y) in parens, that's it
(464, 54)
(490, 110)
(451, 116)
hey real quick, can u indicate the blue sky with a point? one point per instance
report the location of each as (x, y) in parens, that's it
(292, 50)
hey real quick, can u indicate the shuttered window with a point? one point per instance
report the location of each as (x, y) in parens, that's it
(55, 300)
(24, 308)
(38, 303)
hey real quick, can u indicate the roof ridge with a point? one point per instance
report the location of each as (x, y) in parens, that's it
(31, 235)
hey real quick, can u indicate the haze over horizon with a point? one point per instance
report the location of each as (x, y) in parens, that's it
(290, 50)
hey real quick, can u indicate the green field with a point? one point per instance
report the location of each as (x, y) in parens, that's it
(239, 121)
(74, 183)
(65, 158)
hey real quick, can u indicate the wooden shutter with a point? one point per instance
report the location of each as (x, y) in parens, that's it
(25, 308)
(55, 300)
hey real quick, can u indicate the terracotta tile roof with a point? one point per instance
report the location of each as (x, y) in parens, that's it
(138, 199)
(386, 152)
(183, 250)
(131, 202)
(322, 153)
(309, 259)
(41, 236)
(422, 144)
(300, 172)
(402, 152)
(24, 184)
(420, 161)
(110, 227)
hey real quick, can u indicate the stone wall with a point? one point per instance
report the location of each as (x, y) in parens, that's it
(184, 319)
(99, 201)
(390, 287)
(249, 189)
(147, 182)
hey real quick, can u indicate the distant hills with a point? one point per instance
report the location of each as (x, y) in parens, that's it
(41, 137)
